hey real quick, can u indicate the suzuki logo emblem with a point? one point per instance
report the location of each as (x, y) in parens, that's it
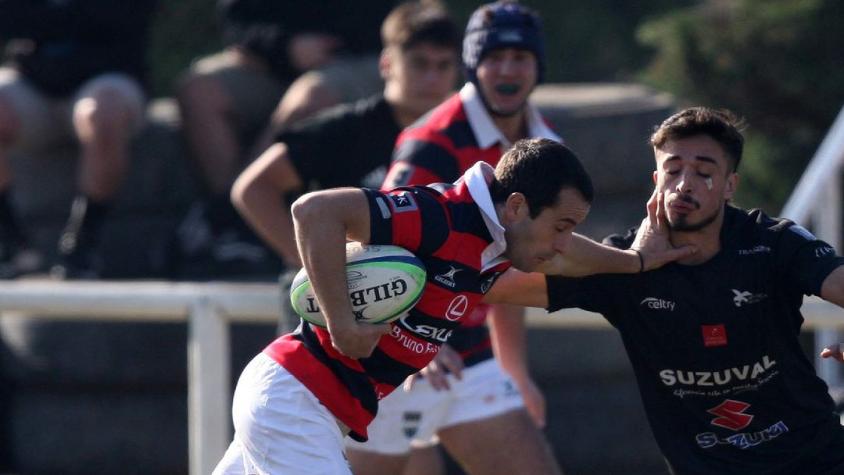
(731, 415)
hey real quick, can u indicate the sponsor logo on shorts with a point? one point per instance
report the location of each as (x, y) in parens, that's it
(410, 423)
(654, 303)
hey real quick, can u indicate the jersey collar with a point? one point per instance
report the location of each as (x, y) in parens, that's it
(477, 181)
(486, 133)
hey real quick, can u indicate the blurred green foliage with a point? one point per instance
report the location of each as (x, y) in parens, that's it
(778, 63)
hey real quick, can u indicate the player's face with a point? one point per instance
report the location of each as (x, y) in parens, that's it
(533, 241)
(423, 75)
(696, 178)
(506, 77)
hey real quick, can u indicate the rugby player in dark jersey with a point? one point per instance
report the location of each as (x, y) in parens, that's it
(713, 338)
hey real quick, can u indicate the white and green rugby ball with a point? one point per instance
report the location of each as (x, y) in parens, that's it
(384, 283)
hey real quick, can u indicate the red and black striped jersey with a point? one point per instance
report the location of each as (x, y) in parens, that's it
(440, 147)
(455, 232)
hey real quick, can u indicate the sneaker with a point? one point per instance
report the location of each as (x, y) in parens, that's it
(78, 257)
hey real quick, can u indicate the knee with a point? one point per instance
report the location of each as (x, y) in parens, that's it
(105, 111)
(200, 93)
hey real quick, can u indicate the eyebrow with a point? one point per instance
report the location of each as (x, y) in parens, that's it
(702, 158)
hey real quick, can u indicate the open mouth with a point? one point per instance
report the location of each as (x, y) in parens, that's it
(507, 89)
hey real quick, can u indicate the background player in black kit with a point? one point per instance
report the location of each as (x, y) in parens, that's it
(713, 338)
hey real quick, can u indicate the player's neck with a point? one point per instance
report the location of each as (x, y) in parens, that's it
(513, 127)
(403, 114)
(706, 240)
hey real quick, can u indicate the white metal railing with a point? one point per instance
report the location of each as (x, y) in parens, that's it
(817, 200)
(208, 310)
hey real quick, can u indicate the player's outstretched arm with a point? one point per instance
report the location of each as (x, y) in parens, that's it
(323, 221)
(508, 333)
(519, 288)
(259, 194)
(651, 249)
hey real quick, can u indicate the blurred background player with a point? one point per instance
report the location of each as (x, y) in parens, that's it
(351, 144)
(74, 70)
(227, 102)
(503, 57)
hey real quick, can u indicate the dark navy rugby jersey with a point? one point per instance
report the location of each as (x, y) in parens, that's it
(724, 381)
(445, 228)
(439, 148)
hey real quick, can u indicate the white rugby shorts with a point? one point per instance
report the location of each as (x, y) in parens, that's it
(280, 427)
(412, 419)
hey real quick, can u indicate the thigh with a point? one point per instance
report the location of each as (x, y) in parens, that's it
(405, 418)
(504, 444)
(485, 391)
(281, 426)
(253, 91)
(351, 78)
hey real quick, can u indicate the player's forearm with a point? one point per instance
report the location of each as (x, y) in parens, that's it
(508, 333)
(832, 289)
(267, 211)
(586, 257)
(321, 237)
(323, 221)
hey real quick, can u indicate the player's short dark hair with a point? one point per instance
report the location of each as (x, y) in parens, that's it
(420, 21)
(722, 125)
(539, 169)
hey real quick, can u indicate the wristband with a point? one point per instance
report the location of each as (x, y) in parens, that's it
(641, 260)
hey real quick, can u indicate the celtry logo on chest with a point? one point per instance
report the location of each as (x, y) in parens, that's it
(654, 303)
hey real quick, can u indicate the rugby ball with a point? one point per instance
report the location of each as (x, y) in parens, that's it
(384, 283)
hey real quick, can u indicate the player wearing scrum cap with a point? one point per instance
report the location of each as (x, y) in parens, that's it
(503, 57)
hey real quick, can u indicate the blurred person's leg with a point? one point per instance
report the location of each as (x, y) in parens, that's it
(106, 113)
(487, 401)
(511, 443)
(345, 79)
(26, 123)
(226, 101)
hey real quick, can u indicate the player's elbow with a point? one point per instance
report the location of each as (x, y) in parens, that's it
(307, 209)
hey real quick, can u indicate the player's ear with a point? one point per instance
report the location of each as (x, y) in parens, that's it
(655, 177)
(731, 185)
(516, 207)
(385, 63)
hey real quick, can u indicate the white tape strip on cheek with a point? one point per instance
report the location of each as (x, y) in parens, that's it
(709, 183)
